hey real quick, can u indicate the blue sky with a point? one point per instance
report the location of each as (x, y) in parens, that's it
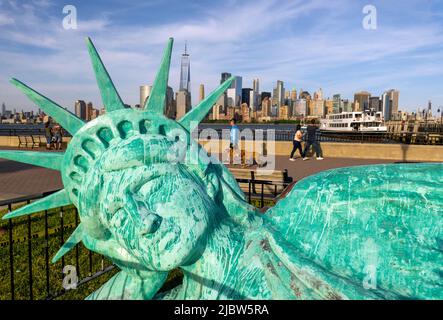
(307, 44)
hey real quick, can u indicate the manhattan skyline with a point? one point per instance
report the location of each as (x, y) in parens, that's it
(306, 44)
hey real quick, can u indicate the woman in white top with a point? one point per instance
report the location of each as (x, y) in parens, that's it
(297, 143)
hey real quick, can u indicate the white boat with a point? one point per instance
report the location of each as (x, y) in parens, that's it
(367, 121)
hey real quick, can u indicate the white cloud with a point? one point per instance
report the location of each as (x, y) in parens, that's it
(5, 20)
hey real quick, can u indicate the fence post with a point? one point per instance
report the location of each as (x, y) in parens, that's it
(11, 255)
(31, 296)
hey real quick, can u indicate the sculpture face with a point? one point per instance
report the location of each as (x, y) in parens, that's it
(155, 207)
(160, 214)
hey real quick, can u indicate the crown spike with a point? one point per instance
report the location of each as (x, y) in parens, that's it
(199, 112)
(67, 120)
(73, 240)
(50, 160)
(156, 100)
(55, 200)
(110, 97)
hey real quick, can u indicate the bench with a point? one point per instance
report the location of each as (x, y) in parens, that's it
(255, 182)
(29, 141)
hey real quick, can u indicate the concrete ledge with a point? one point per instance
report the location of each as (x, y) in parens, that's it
(396, 152)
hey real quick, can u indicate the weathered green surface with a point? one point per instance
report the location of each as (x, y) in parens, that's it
(156, 100)
(68, 120)
(150, 200)
(110, 97)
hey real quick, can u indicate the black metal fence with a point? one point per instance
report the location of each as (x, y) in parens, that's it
(421, 137)
(28, 243)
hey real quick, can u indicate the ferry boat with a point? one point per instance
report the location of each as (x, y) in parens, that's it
(367, 121)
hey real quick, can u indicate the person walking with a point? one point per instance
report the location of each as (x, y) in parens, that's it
(296, 143)
(48, 135)
(234, 138)
(58, 137)
(312, 140)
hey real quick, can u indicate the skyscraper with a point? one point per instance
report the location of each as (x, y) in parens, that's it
(337, 105)
(256, 86)
(235, 92)
(394, 96)
(224, 77)
(278, 94)
(362, 98)
(389, 103)
(374, 104)
(185, 72)
(201, 93)
(80, 109)
(3, 109)
(145, 91)
(246, 96)
(254, 99)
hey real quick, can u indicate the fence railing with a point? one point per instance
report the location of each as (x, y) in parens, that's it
(350, 137)
(27, 245)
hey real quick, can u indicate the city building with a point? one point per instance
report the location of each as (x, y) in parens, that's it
(386, 103)
(3, 109)
(375, 104)
(183, 101)
(89, 110)
(278, 94)
(201, 93)
(347, 105)
(237, 86)
(329, 106)
(185, 72)
(362, 98)
(80, 109)
(265, 95)
(246, 96)
(231, 97)
(266, 106)
(245, 112)
(318, 95)
(283, 112)
(394, 97)
(170, 104)
(305, 95)
(254, 99)
(316, 108)
(300, 108)
(337, 104)
(145, 91)
(224, 76)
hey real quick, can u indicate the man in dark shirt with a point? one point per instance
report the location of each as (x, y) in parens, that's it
(311, 140)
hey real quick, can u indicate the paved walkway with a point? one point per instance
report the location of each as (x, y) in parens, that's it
(299, 169)
(18, 179)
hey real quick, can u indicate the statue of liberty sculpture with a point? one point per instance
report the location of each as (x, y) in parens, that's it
(150, 205)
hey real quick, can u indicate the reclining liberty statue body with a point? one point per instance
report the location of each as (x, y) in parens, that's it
(149, 204)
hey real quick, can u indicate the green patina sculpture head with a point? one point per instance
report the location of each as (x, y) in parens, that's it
(151, 200)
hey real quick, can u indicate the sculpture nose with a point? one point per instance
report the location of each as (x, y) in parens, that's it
(149, 223)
